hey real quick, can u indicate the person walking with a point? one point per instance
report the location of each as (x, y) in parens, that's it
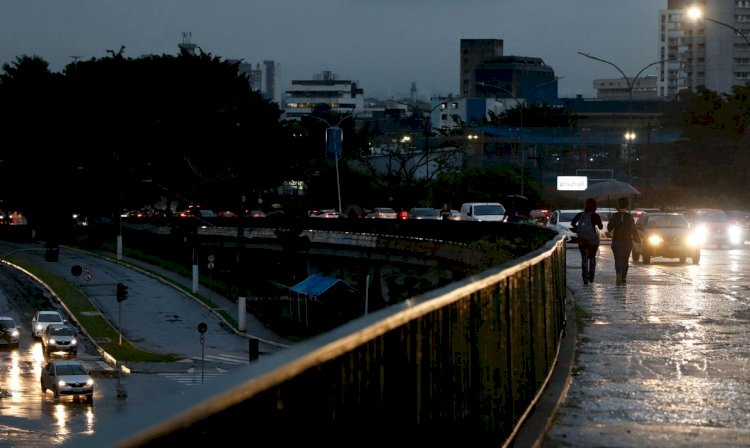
(511, 214)
(622, 227)
(445, 212)
(587, 225)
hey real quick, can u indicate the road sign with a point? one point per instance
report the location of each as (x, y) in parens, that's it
(87, 276)
(211, 258)
(87, 269)
(210, 265)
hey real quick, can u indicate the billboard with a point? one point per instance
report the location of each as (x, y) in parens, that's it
(572, 183)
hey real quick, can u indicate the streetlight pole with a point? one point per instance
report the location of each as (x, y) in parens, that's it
(630, 134)
(335, 132)
(696, 13)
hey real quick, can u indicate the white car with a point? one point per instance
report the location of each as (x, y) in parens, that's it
(560, 220)
(483, 211)
(67, 377)
(43, 318)
(9, 333)
(58, 338)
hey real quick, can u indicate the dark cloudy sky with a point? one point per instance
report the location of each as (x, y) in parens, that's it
(384, 45)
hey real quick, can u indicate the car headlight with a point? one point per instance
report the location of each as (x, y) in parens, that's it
(701, 233)
(655, 240)
(89, 382)
(14, 333)
(694, 239)
(73, 342)
(39, 327)
(735, 234)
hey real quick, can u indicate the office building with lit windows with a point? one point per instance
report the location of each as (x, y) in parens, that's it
(711, 51)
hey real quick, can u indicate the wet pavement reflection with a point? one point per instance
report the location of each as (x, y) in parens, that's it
(662, 360)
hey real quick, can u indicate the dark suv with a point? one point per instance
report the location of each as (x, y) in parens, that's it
(715, 227)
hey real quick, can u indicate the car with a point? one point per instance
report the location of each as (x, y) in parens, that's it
(605, 213)
(559, 220)
(715, 227)
(382, 213)
(67, 377)
(742, 219)
(9, 332)
(43, 318)
(59, 338)
(541, 216)
(325, 213)
(483, 211)
(666, 235)
(455, 215)
(424, 213)
(640, 211)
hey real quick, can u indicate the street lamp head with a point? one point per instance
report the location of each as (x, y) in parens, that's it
(695, 13)
(630, 136)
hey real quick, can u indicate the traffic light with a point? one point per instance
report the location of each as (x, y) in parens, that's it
(122, 292)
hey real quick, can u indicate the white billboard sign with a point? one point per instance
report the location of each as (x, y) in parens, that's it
(572, 183)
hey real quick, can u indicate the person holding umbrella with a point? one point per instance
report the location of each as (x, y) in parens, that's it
(624, 233)
(587, 225)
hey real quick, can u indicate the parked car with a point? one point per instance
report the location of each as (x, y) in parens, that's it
(67, 377)
(382, 213)
(715, 227)
(666, 235)
(423, 213)
(43, 318)
(9, 332)
(59, 338)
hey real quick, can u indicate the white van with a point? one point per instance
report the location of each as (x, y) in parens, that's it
(483, 211)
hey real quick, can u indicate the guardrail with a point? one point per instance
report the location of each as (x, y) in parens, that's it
(459, 364)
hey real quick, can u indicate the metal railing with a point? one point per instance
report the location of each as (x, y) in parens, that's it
(463, 363)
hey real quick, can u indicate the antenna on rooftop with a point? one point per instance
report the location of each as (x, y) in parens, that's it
(186, 47)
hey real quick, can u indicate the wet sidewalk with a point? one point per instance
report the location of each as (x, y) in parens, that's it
(662, 361)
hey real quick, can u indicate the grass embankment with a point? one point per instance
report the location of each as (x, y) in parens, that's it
(91, 321)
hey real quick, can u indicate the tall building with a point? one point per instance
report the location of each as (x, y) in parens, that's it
(473, 53)
(711, 52)
(487, 73)
(264, 78)
(342, 96)
(524, 78)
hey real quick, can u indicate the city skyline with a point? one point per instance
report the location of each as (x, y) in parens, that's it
(383, 45)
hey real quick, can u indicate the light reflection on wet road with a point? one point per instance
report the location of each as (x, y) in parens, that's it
(663, 360)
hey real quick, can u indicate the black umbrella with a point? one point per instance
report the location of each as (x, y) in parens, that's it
(609, 189)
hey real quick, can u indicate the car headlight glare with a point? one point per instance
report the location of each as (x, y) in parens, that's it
(655, 240)
(694, 239)
(735, 234)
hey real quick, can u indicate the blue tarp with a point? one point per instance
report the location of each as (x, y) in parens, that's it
(316, 284)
